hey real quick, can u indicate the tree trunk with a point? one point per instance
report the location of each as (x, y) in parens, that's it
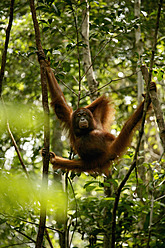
(88, 67)
(140, 85)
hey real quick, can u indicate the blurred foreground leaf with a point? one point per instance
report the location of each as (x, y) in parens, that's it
(22, 194)
(21, 117)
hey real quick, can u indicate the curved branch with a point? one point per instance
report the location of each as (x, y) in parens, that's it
(17, 150)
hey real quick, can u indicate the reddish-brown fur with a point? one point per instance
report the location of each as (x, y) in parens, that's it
(96, 147)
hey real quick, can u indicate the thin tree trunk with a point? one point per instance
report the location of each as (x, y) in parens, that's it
(139, 50)
(41, 58)
(140, 85)
(88, 68)
(147, 77)
(3, 62)
(156, 107)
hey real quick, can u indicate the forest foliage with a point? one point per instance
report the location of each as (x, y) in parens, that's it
(80, 206)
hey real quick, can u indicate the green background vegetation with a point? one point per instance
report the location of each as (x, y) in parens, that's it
(89, 210)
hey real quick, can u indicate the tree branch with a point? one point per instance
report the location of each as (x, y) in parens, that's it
(105, 85)
(88, 68)
(17, 150)
(156, 107)
(3, 63)
(147, 77)
(140, 134)
(41, 58)
(78, 50)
